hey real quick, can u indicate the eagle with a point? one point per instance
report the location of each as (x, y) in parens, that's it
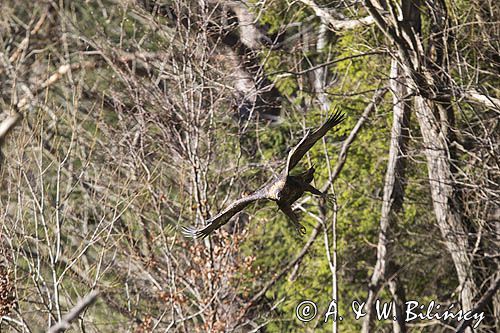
(282, 188)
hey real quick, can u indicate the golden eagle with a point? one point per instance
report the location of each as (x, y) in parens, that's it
(283, 188)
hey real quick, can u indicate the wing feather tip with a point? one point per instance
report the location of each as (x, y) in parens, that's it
(336, 118)
(191, 232)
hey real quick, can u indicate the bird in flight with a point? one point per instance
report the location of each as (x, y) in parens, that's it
(283, 188)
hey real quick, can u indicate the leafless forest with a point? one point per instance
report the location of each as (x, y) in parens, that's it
(122, 121)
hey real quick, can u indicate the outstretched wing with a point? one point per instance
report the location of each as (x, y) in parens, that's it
(310, 139)
(223, 217)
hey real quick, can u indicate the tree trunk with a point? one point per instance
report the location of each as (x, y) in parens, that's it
(399, 300)
(393, 190)
(446, 207)
(405, 33)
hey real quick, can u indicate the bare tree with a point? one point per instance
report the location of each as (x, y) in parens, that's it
(393, 195)
(430, 79)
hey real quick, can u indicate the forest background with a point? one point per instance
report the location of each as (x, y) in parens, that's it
(123, 120)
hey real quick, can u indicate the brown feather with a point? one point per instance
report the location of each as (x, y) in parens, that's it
(223, 217)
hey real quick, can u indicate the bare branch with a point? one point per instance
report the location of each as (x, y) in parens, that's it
(483, 301)
(83, 304)
(334, 23)
(8, 124)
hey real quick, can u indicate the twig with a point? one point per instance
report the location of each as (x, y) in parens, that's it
(485, 299)
(74, 313)
(377, 97)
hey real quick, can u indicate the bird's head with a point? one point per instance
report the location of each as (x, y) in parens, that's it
(275, 192)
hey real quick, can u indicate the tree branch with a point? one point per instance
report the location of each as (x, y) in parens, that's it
(485, 299)
(334, 23)
(8, 124)
(65, 322)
